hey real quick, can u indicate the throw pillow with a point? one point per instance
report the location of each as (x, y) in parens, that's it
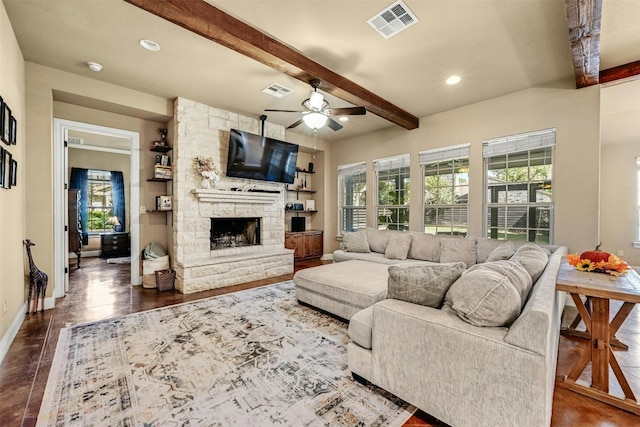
(504, 251)
(484, 297)
(355, 241)
(422, 284)
(425, 247)
(517, 275)
(398, 246)
(533, 258)
(378, 239)
(458, 249)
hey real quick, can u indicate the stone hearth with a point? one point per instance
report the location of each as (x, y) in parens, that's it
(204, 131)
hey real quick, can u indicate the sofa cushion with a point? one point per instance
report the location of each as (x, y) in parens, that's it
(516, 273)
(398, 246)
(485, 296)
(458, 249)
(503, 251)
(424, 247)
(533, 258)
(355, 241)
(423, 284)
(378, 239)
(360, 326)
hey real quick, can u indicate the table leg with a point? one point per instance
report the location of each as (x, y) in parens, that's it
(600, 344)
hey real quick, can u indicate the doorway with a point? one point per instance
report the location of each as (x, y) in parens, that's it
(62, 131)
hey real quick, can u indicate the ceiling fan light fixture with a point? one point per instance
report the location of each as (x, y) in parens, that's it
(316, 100)
(344, 119)
(314, 120)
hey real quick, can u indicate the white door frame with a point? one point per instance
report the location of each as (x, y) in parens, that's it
(61, 128)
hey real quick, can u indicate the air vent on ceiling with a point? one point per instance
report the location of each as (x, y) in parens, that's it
(393, 19)
(277, 90)
(75, 140)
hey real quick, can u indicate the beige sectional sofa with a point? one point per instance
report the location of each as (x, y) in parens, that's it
(451, 359)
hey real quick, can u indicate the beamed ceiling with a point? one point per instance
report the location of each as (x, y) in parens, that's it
(224, 52)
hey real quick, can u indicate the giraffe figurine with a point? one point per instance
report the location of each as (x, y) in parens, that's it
(37, 279)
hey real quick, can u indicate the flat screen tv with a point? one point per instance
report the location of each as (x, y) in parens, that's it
(261, 158)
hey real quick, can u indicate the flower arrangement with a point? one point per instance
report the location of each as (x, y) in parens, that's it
(206, 169)
(613, 265)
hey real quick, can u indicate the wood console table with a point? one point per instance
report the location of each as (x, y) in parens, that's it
(599, 289)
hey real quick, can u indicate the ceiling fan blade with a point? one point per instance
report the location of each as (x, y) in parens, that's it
(333, 124)
(348, 111)
(287, 111)
(298, 123)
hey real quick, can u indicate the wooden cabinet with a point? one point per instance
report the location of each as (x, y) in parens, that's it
(74, 222)
(306, 244)
(113, 245)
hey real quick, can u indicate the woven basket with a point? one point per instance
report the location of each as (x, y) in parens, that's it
(165, 279)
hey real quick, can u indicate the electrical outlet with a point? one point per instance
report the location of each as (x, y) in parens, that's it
(620, 252)
(4, 308)
(143, 209)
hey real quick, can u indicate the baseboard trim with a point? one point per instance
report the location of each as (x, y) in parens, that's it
(327, 257)
(9, 336)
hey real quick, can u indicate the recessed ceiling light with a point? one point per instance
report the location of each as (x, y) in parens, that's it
(94, 66)
(453, 80)
(344, 119)
(150, 45)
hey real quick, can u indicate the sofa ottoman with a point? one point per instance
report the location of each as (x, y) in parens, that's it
(342, 288)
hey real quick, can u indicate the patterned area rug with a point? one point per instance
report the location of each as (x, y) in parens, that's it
(251, 358)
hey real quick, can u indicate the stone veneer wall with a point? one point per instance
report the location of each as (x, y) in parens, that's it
(201, 130)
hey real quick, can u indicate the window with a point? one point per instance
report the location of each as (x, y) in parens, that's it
(352, 193)
(519, 198)
(392, 177)
(100, 201)
(446, 189)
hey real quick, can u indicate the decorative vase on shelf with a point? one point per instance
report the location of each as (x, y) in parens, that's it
(207, 183)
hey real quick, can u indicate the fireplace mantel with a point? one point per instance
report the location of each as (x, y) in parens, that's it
(215, 195)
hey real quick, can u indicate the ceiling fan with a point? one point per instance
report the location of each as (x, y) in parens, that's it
(318, 112)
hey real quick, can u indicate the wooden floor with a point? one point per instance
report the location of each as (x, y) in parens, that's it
(99, 290)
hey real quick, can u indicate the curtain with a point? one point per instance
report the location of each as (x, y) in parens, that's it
(80, 181)
(117, 193)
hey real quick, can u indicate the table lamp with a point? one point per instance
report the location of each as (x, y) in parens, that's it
(113, 220)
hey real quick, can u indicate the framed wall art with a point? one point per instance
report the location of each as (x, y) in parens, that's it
(13, 129)
(14, 173)
(6, 169)
(3, 153)
(6, 127)
(1, 117)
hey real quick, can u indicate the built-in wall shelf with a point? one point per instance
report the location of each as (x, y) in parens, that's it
(301, 190)
(160, 149)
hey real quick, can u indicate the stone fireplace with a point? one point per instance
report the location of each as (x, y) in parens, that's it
(207, 258)
(234, 232)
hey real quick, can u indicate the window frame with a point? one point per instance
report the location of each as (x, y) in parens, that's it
(516, 146)
(451, 154)
(347, 171)
(401, 164)
(636, 244)
(91, 207)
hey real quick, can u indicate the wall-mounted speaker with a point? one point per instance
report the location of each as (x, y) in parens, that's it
(298, 223)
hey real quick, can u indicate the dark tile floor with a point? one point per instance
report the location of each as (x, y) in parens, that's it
(99, 290)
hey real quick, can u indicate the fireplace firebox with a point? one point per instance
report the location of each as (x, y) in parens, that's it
(234, 232)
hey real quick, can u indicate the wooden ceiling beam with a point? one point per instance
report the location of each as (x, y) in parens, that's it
(210, 22)
(584, 36)
(620, 72)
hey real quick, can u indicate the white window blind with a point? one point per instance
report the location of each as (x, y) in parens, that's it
(352, 169)
(517, 143)
(443, 154)
(636, 244)
(391, 163)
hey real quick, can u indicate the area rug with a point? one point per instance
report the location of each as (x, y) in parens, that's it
(251, 358)
(120, 260)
